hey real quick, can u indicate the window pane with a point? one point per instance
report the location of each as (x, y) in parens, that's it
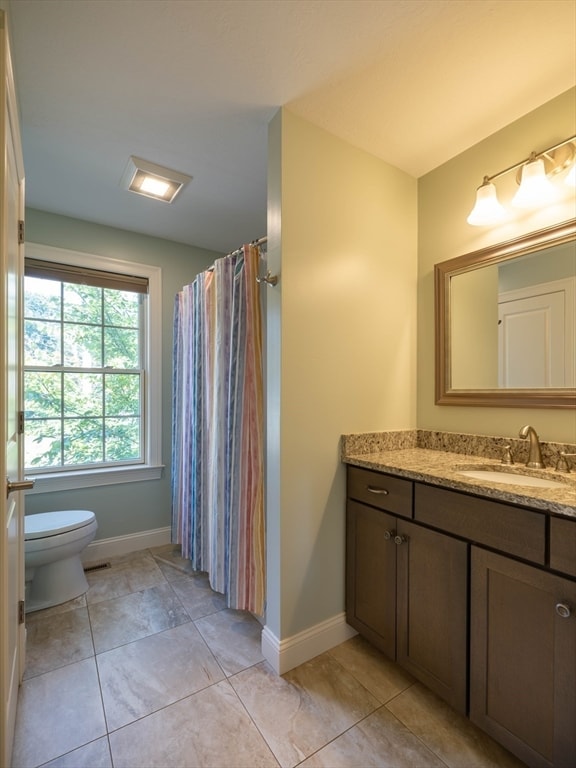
(121, 308)
(83, 441)
(43, 395)
(84, 384)
(122, 439)
(42, 298)
(82, 346)
(41, 343)
(82, 303)
(42, 443)
(121, 348)
(122, 394)
(82, 394)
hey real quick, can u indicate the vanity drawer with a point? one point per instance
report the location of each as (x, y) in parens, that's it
(563, 545)
(383, 491)
(510, 529)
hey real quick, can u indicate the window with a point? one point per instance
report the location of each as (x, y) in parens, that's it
(91, 398)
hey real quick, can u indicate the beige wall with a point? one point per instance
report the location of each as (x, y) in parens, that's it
(445, 197)
(341, 348)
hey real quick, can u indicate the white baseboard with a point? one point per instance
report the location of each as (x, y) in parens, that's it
(102, 549)
(283, 655)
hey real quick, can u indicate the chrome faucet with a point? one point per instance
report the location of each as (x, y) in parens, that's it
(535, 459)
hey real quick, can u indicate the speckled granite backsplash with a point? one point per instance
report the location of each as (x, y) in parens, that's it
(452, 442)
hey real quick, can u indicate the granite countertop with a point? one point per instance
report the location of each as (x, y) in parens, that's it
(439, 467)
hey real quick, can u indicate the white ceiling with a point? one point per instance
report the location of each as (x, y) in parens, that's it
(192, 85)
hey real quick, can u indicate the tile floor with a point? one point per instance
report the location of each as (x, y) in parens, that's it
(150, 670)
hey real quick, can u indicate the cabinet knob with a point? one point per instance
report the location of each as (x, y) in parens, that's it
(563, 610)
(375, 489)
(398, 539)
(389, 534)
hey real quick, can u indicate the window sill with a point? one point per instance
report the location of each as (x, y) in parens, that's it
(68, 481)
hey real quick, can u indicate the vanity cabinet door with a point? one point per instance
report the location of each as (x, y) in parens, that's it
(406, 592)
(432, 610)
(523, 659)
(371, 575)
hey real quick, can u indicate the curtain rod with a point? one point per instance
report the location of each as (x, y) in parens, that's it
(269, 279)
(259, 241)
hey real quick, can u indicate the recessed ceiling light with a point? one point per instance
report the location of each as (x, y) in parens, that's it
(152, 180)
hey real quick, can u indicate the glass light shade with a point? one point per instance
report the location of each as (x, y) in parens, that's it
(570, 179)
(487, 209)
(154, 186)
(535, 189)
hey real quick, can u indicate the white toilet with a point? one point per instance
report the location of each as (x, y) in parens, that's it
(53, 543)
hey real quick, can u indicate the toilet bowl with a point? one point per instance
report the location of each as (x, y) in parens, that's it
(53, 543)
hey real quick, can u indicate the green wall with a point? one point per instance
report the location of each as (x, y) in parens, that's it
(130, 507)
(341, 348)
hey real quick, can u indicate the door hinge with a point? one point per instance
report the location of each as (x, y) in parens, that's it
(21, 612)
(20, 231)
(20, 422)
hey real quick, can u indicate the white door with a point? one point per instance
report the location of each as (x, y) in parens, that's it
(536, 336)
(12, 632)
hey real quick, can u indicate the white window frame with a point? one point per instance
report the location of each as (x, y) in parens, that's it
(152, 467)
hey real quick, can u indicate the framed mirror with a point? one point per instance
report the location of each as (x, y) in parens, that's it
(506, 323)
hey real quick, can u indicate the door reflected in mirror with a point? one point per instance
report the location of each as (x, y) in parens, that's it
(506, 323)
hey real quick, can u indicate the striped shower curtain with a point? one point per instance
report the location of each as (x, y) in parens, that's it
(217, 429)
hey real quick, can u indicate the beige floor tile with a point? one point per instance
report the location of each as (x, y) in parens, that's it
(142, 677)
(197, 596)
(171, 562)
(382, 677)
(448, 734)
(379, 741)
(128, 618)
(207, 730)
(234, 637)
(57, 712)
(56, 639)
(305, 709)
(70, 605)
(93, 755)
(127, 574)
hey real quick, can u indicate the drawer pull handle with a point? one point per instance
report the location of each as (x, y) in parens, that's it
(400, 539)
(563, 610)
(389, 535)
(374, 489)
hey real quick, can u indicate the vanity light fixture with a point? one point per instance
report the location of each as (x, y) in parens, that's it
(534, 175)
(488, 209)
(535, 188)
(152, 180)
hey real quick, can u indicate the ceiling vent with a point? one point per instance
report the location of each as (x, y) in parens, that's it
(152, 180)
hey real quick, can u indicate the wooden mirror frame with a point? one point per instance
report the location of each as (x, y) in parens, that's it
(443, 272)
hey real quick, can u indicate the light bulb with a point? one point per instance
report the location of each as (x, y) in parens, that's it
(570, 179)
(535, 188)
(487, 210)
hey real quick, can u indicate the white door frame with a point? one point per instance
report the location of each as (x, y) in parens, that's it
(12, 628)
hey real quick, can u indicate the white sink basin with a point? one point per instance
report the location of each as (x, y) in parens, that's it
(510, 478)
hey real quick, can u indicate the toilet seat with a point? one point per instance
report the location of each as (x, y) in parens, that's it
(46, 524)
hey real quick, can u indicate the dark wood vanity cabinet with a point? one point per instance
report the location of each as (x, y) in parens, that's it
(477, 599)
(523, 659)
(406, 590)
(432, 624)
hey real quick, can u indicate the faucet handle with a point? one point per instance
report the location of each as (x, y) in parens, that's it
(562, 463)
(507, 457)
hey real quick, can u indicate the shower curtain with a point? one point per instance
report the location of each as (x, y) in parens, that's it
(217, 428)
